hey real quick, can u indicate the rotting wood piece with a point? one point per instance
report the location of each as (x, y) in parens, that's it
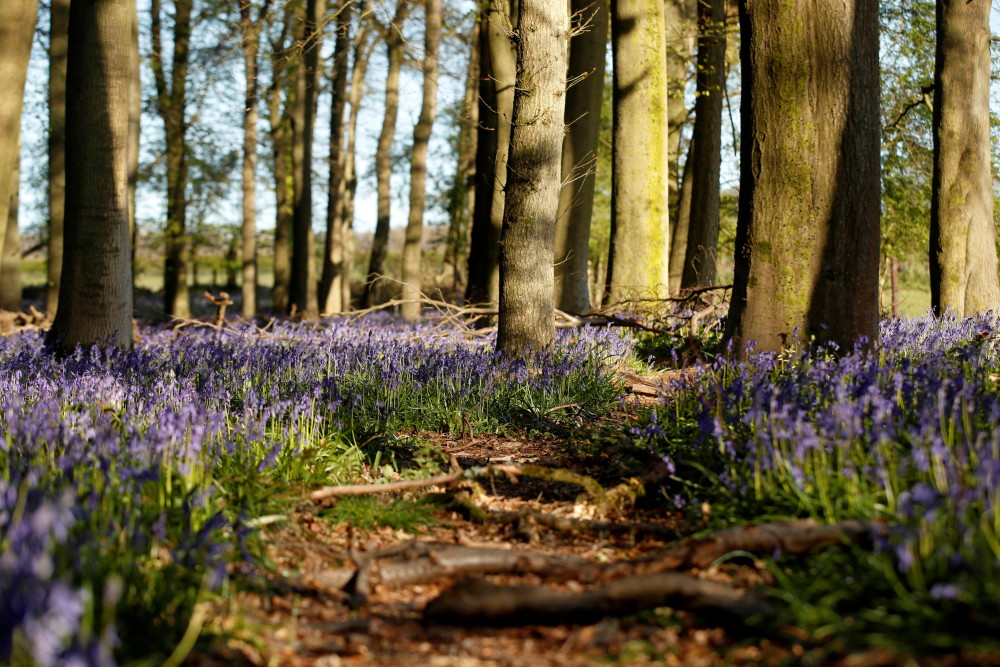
(479, 602)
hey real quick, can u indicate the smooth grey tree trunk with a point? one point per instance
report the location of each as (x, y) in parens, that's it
(579, 158)
(963, 256)
(283, 69)
(526, 320)
(807, 246)
(638, 261)
(703, 230)
(95, 303)
(58, 36)
(413, 245)
(331, 281)
(17, 28)
(134, 133)
(395, 46)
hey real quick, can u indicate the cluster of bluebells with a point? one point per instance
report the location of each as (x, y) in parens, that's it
(906, 430)
(107, 458)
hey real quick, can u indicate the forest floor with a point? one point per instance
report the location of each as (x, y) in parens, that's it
(303, 613)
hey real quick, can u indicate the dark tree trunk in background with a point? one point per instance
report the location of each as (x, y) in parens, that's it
(703, 231)
(807, 247)
(383, 157)
(639, 256)
(963, 255)
(283, 72)
(461, 197)
(499, 70)
(681, 223)
(680, 19)
(10, 259)
(303, 295)
(579, 158)
(17, 28)
(532, 196)
(58, 36)
(331, 282)
(171, 104)
(413, 247)
(95, 303)
(134, 132)
(250, 41)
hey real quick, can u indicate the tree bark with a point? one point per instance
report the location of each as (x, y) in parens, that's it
(250, 41)
(680, 18)
(461, 199)
(383, 156)
(171, 104)
(807, 247)
(283, 71)
(639, 257)
(17, 29)
(134, 132)
(680, 224)
(331, 282)
(703, 231)
(579, 158)
(495, 111)
(10, 261)
(362, 52)
(303, 295)
(95, 302)
(412, 249)
(963, 256)
(58, 35)
(526, 319)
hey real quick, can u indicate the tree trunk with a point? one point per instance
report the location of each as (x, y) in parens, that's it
(331, 283)
(532, 196)
(680, 224)
(703, 231)
(58, 34)
(303, 295)
(134, 132)
(461, 199)
(495, 111)
(95, 303)
(383, 156)
(283, 71)
(362, 52)
(963, 254)
(807, 247)
(579, 156)
(171, 104)
(412, 249)
(640, 250)
(17, 29)
(250, 37)
(680, 18)
(10, 260)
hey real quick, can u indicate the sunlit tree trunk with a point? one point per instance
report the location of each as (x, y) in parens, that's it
(283, 71)
(383, 156)
(95, 303)
(680, 19)
(807, 247)
(579, 156)
(58, 35)
(532, 195)
(963, 255)
(134, 132)
(171, 104)
(639, 255)
(703, 230)
(413, 246)
(495, 111)
(461, 197)
(17, 28)
(10, 260)
(250, 39)
(331, 283)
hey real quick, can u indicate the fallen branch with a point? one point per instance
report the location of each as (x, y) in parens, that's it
(479, 602)
(391, 487)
